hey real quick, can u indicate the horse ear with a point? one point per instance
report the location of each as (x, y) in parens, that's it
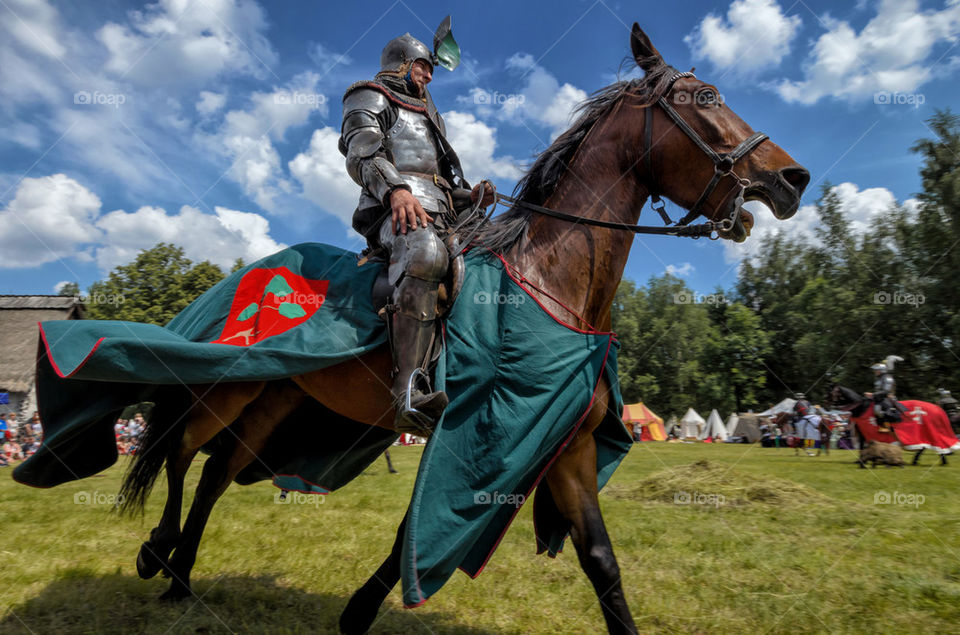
(644, 52)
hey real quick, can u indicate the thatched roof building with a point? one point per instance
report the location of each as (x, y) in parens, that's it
(19, 315)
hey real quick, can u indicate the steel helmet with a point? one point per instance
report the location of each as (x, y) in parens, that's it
(404, 49)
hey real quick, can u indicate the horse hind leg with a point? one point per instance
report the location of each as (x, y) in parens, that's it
(243, 441)
(212, 409)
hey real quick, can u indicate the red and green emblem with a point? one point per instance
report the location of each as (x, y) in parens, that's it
(268, 302)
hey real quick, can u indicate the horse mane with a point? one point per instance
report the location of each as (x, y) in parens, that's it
(543, 177)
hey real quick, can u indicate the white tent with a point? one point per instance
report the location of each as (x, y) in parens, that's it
(732, 422)
(784, 406)
(691, 424)
(714, 427)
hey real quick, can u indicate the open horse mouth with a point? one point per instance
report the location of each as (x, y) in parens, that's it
(779, 191)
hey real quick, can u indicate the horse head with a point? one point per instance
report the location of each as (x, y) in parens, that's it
(724, 161)
(846, 399)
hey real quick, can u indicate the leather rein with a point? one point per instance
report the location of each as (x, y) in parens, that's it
(723, 164)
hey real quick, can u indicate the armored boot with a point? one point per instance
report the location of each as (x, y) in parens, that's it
(413, 329)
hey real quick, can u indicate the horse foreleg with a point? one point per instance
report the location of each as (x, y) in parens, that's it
(362, 608)
(243, 442)
(212, 410)
(573, 484)
(916, 456)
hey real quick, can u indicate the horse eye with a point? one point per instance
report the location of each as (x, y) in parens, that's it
(707, 98)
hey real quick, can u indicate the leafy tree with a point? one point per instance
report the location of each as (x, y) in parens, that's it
(70, 289)
(158, 284)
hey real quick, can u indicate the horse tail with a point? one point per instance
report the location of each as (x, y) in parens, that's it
(160, 438)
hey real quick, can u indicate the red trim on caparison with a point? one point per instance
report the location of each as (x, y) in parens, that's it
(53, 363)
(508, 268)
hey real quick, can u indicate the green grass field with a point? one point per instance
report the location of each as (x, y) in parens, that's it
(754, 540)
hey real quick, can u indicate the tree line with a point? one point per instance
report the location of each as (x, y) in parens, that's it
(804, 315)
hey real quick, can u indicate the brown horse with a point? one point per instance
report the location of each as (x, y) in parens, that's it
(603, 169)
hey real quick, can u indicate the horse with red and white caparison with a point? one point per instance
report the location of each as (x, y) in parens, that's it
(925, 426)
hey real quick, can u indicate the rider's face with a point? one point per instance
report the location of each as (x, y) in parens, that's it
(421, 73)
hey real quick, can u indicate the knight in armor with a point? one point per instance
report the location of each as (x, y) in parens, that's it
(951, 407)
(395, 145)
(887, 409)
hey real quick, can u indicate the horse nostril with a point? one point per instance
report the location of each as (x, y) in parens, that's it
(797, 177)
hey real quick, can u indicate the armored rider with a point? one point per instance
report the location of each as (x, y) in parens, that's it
(886, 408)
(395, 145)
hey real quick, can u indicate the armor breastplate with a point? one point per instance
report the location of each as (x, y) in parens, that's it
(411, 143)
(886, 383)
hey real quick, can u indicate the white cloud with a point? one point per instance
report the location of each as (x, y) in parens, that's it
(55, 217)
(57, 288)
(323, 176)
(860, 208)
(891, 54)
(210, 102)
(755, 35)
(246, 136)
(681, 271)
(35, 26)
(220, 238)
(475, 143)
(541, 100)
(48, 219)
(185, 42)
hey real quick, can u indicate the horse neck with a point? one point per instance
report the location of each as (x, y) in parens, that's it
(580, 265)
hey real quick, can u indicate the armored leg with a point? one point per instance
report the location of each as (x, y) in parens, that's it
(418, 261)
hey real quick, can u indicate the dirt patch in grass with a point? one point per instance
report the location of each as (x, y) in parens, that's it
(706, 483)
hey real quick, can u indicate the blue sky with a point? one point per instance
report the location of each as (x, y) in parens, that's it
(213, 123)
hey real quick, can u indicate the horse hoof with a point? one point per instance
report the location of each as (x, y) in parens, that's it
(148, 562)
(176, 593)
(357, 617)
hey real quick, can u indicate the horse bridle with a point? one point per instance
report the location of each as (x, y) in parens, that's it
(723, 163)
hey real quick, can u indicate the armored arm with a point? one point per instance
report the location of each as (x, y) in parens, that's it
(361, 141)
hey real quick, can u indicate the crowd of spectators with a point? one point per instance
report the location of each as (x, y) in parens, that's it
(20, 440)
(128, 432)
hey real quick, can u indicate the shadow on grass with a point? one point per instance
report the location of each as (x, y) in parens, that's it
(81, 601)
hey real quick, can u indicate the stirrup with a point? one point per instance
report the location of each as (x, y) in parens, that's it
(409, 419)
